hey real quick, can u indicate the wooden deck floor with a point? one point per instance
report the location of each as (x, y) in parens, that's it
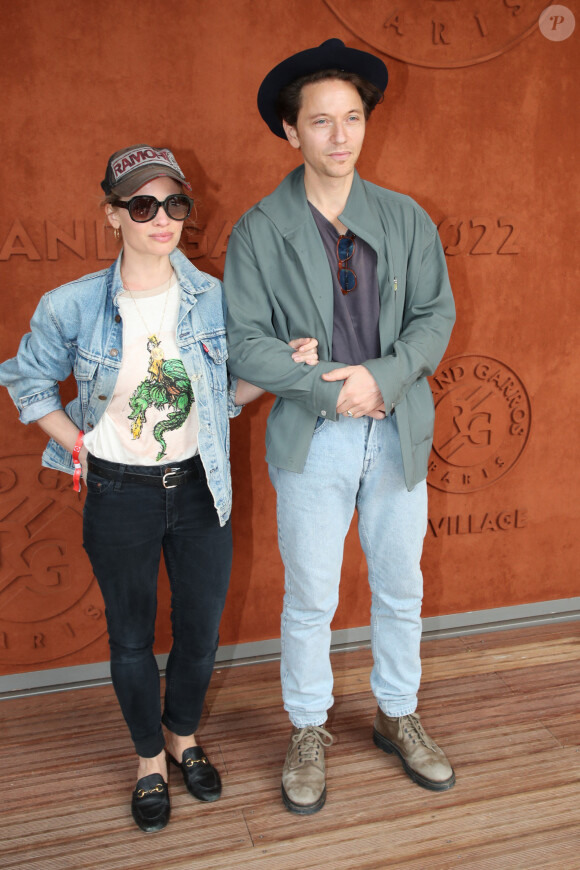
(505, 706)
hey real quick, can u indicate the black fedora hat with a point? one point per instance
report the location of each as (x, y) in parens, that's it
(332, 54)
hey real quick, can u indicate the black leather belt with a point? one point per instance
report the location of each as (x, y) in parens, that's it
(168, 476)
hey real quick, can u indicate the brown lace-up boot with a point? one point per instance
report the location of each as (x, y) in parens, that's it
(422, 759)
(303, 776)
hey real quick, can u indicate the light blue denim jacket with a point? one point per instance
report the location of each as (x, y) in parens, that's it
(77, 328)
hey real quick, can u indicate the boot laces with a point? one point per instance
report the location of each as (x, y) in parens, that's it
(412, 725)
(309, 740)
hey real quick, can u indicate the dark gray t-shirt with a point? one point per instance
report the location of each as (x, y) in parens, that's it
(355, 334)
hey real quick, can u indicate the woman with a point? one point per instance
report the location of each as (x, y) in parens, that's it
(149, 433)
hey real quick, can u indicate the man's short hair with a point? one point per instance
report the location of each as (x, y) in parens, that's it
(290, 97)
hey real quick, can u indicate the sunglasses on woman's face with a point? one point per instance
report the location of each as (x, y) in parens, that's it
(144, 208)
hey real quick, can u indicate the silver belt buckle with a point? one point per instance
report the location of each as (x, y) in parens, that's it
(170, 473)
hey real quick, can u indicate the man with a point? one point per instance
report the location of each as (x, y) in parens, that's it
(362, 269)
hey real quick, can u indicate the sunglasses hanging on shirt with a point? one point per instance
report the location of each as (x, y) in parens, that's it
(345, 248)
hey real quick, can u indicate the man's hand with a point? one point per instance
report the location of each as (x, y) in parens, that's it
(305, 350)
(360, 394)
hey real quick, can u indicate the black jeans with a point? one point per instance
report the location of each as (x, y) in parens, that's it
(126, 527)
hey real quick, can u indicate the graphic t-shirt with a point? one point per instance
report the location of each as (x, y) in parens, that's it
(152, 416)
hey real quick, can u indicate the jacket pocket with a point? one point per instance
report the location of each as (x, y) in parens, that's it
(84, 371)
(421, 411)
(97, 485)
(215, 354)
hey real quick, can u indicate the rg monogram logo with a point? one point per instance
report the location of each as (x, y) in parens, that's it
(481, 426)
(50, 604)
(441, 35)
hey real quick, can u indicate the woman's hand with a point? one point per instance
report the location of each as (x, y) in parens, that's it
(305, 350)
(84, 459)
(61, 428)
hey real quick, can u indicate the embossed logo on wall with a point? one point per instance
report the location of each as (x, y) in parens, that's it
(482, 423)
(440, 33)
(50, 603)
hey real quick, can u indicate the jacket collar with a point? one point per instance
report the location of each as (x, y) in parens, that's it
(190, 279)
(361, 216)
(287, 208)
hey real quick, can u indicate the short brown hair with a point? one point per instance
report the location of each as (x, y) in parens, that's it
(290, 98)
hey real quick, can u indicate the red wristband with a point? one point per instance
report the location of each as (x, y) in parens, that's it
(78, 467)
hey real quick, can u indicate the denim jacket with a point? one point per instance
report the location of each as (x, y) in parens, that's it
(77, 328)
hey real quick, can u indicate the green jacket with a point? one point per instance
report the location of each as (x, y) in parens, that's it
(278, 287)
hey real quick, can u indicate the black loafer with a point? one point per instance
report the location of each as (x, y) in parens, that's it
(201, 778)
(150, 803)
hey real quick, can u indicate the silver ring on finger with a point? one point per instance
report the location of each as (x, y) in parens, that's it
(349, 414)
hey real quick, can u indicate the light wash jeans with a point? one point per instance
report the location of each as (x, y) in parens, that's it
(353, 463)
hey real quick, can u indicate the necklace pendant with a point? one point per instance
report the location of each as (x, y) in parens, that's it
(152, 340)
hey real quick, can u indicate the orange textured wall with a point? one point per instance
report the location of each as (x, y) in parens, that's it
(480, 124)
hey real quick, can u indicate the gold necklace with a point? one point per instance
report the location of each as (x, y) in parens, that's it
(152, 336)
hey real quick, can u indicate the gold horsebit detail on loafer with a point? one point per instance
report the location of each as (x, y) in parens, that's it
(191, 761)
(142, 792)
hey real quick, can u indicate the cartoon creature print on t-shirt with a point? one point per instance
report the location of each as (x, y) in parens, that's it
(167, 385)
